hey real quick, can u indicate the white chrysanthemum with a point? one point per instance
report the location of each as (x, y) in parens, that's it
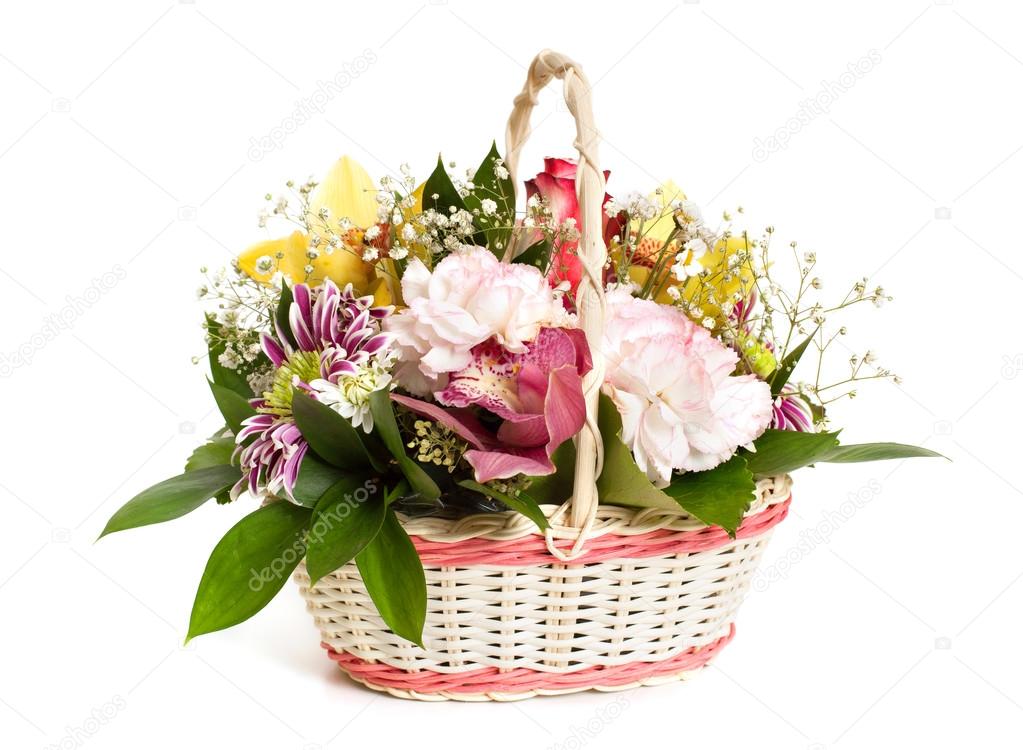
(349, 396)
(672, 382)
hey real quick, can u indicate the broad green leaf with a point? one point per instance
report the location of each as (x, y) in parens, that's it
(234, 407)
(622, 482)
(393, 574)
(847, 454)
(234, 380)
(217, 452)
(497, 228)
(783, 451)
(523, 504)
(345, 520)
(788, 364)
(314, 478)
(249, 566)
(556, 488)
(719, 496)
(387, 427)
(281, 315)
(172, 498)
(329, 434)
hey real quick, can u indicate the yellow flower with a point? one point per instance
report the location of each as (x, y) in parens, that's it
(715, 288)
(346, 192)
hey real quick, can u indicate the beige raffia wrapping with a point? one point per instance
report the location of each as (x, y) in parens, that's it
(554, 617)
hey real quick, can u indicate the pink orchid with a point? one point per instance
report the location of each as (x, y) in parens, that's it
(556, 185)
(537, 394)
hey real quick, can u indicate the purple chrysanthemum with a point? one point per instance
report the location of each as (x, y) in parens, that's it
(792, 412)
(336, 335)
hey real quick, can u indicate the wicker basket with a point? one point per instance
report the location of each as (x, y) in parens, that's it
(609, 598)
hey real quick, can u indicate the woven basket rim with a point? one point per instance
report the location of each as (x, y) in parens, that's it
(610, 519)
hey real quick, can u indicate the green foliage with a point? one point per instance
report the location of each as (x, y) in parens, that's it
(787, 365)
(497, 228)
(172, 498)
(521, 503)
(217, 452)
(249, 566)
(847, 454)
(556, 488)
(784, 451)
(232, 405)
(282, 313)
(387, 427)
(330, 435)
(342, 526)
(718, 497)
(314, 478)
(393, 574)
(234, 380)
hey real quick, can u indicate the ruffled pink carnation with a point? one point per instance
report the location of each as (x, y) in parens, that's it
(467, 299)
(672, 382)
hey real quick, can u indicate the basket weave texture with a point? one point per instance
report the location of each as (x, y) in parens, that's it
(652, 599)
(609, 597)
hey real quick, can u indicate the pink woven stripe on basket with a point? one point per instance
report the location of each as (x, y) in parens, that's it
(532, 550)
(522, 680)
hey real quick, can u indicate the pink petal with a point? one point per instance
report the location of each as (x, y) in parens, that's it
(492, 465)
(565, 406)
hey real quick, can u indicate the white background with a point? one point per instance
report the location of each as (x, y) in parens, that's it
(126, 142)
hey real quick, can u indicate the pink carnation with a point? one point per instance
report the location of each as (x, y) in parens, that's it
(672, 382)
(467, 299)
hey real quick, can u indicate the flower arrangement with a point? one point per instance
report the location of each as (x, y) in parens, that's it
(413, 349)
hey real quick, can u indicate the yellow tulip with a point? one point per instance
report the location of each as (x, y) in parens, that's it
(346, 192)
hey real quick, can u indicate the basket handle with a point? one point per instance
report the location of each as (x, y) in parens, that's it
(589, 184)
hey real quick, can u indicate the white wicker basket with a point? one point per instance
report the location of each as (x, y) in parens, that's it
(610, 598)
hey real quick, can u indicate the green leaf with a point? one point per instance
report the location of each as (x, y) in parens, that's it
(622, 482)
(281, 315)
(314, 478)
(439, 184)
(523, 504)
(233, 406)
(217, 452)
(719, 496)
(537, 255)
(172, 498)
(249, 566)
(393, 574)
(387, 427)
(330, 435)
(848, 454)
(234, 380)
(783, 451)
(342, 526)
(497, 228)
(556, 488)
(788, 364)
